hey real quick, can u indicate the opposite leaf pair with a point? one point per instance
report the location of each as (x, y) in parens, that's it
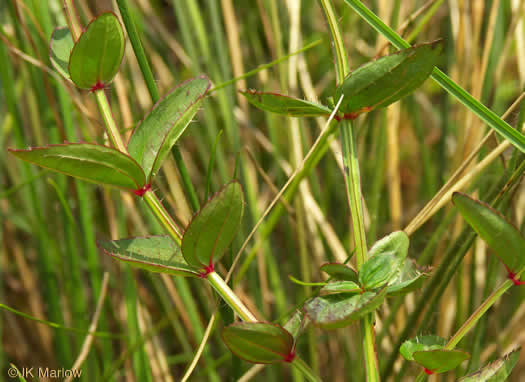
(204, 242)
(374, 85)
(88, 64)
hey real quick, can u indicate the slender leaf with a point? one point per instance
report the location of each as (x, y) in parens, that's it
(60, 48)
(154, 137)
(501, 236)
(213, 228)
(97, 54)
(497, 371)
(340, 271)
(283, 104)
(388, 79)
(153, 253)
(440, 360)
(89, 162)
(259, 342)
(340, 310)
(340, 287)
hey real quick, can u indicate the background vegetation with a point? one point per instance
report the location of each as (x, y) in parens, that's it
(150, 325)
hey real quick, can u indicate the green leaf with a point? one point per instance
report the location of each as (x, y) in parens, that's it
(379, 270)
(60, 48)
(340, 287)
(421, 343)
(386, 260)
(497, 371)
(154, 137)
(439, 361)
(500, 235)
(153, 253)
(397, 242)
(340, 310)
(89, 162)
(409, 279)
(283, 104)
(213, 228)
(259, 342)
(297, 323)
(340, 271)
(97, 54)
(388, 79)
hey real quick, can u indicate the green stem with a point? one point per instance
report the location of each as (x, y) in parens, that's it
(305, 369)
(109, 121)
(72, 19)
(230, 297)
(163, 216)
(342, 68)
(353, 189)
(155, 96)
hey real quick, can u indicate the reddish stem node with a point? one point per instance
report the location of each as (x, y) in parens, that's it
(143, 190)
(429, 372)
(99, 85)
(511, 275)
(207, 270)
(290, 356)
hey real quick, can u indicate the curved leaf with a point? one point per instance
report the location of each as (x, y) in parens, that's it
(259, 342)
(340, 310)
(500, 235)
(386, 260)
(89, 162)
(160, 129)
(340, 287)
(388, 79)
(153, 253)
(283, 104)
(213, 228)
(97, 54)
(441, 360)
(340, 271)
(497, 371)
(409, 279)
(60, 48)
(421, 343)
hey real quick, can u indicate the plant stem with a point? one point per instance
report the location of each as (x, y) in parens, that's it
(155, 96)
(109, 121)
(163, 217)
(72, 20)
(305, 369)
(353, 189)
(230, 297)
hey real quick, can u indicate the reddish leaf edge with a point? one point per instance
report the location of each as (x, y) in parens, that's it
(337, 117)
(108, 253)
(204, 77)
(78, 39)
(78, 177)
(206, 267)
(288, 358)
(511, 274)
